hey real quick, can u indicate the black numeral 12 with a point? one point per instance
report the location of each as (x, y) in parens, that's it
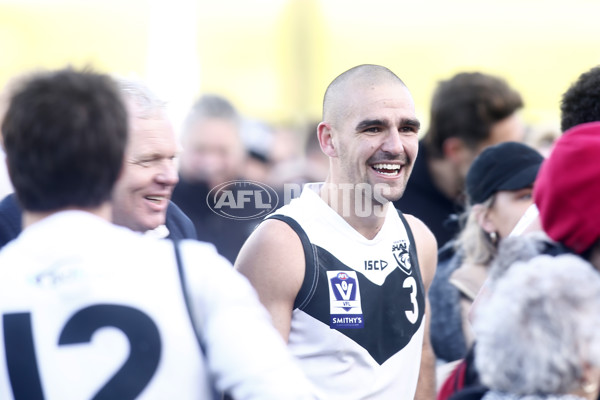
(127, 383)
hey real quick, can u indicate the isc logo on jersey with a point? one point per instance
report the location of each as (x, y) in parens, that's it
(344, 300)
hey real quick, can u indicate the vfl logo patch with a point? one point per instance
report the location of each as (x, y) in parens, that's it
(344, 300)
(400, 252)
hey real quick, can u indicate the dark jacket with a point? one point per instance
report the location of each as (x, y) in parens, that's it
(10, 219)
(227, 234)
(447, 337)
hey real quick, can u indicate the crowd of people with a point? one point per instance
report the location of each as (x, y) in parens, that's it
(137, 261)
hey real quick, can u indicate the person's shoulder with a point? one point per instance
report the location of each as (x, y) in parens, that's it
(9, 202)
(208, 274)
(179, 224)
(420, 231)
(202, 256)
(272, 244)
(10, 214)
(275, 232)
(199, 247)
(174, 211)
(273, 239)
(123, 242)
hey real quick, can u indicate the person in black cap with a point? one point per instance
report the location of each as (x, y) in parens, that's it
(499, 187)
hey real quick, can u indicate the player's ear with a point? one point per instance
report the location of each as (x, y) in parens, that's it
(326, 139)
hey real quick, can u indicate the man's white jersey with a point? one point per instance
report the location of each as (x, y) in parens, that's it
(357, 327)
(91, 310)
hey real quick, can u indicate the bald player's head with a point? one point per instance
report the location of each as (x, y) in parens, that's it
(338, 93)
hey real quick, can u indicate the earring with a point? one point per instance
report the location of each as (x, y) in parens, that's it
(494, 237)
(589, 387)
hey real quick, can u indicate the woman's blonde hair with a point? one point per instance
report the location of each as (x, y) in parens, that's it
(475, 243)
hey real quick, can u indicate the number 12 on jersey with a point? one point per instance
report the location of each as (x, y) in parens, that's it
(127, 383)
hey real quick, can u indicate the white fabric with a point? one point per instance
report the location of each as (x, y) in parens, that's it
(327, 229)
(160, 232)
(73, 260)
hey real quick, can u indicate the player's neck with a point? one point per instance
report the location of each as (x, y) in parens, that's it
(31, 217)
(366, 218)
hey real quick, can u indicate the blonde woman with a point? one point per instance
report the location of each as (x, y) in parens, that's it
(499, 190)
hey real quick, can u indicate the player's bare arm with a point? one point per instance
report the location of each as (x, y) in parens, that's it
(427, 253)
(273, 261)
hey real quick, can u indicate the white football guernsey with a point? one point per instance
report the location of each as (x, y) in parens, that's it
(357, 327)
(92, 310)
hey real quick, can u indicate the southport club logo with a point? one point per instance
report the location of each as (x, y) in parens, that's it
(242, 199)
(402, 256)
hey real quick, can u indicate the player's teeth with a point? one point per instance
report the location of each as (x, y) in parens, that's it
(386, 166)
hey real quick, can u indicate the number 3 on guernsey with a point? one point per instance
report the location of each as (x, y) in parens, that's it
(412, 315)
